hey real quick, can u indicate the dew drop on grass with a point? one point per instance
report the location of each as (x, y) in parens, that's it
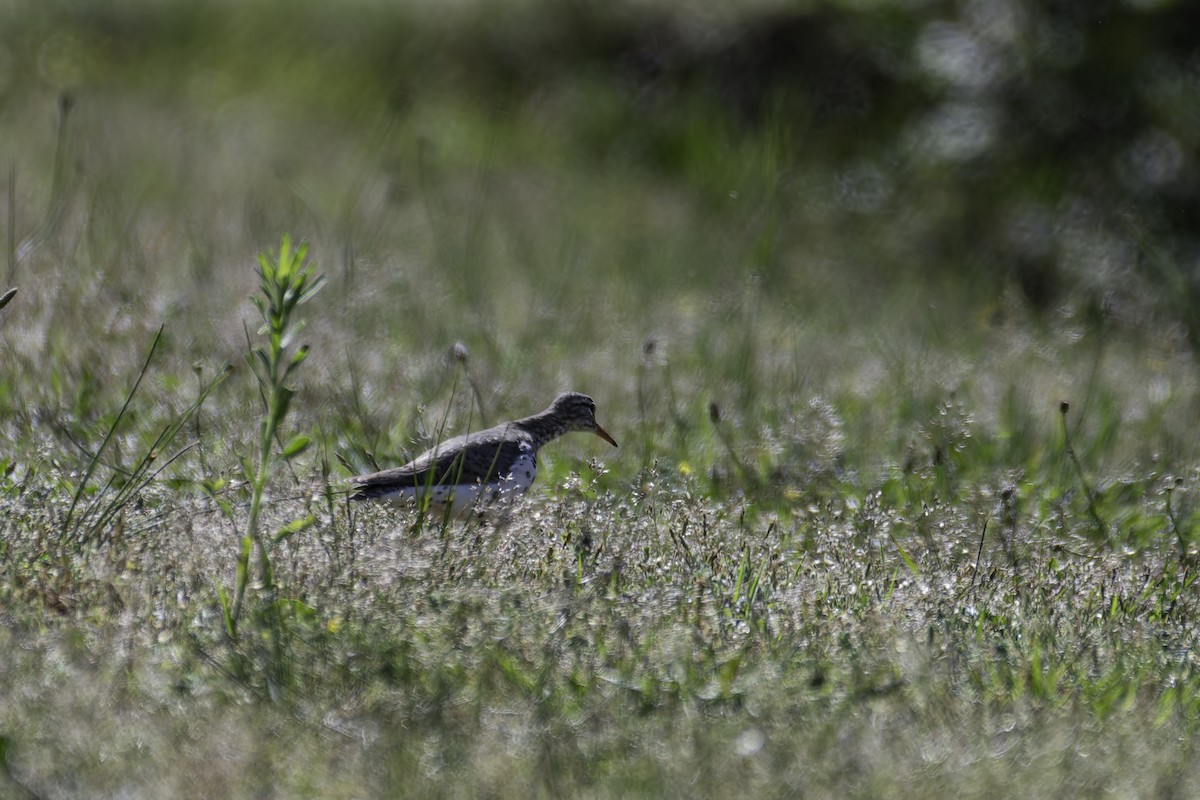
(749, 742)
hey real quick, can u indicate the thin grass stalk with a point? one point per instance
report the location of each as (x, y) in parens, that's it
(1089, 493)
(97, 516)
(57, 204)
(91, 467)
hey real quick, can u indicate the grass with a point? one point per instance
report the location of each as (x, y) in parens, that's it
(870, 531)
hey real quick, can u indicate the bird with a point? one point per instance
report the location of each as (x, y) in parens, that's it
(476, 469)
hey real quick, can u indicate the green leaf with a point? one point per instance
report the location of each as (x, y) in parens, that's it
(297, 609)
(296, 446)
(291, 334)
(297, 359)
(248, 470)
(311, 290)
(294, 527)
(244, 557)
(227, 612)
(912, 565)
(283, 399)
(265, 359)
(214, 485)
(284, 270)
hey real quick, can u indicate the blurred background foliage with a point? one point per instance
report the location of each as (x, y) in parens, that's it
(1050, 146)
(1040, 116)
(633, 174)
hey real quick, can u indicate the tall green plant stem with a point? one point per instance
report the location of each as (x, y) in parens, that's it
(285, 281)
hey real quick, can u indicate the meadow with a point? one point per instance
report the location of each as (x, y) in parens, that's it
(905, 502)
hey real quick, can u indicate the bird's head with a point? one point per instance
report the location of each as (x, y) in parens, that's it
(578, 413)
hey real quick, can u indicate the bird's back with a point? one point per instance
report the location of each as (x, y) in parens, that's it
(478, 458)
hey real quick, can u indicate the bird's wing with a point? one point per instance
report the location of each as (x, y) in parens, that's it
(438, 465)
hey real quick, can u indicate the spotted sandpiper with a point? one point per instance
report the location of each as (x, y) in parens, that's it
(484, 466)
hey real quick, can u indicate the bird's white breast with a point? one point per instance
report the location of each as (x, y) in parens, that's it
(463, 497)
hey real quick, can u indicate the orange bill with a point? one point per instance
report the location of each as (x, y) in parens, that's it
(603, 434)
